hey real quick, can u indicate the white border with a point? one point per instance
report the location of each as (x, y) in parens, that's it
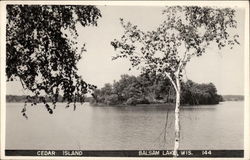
(2, 74)
(247, 87)
(242, 4)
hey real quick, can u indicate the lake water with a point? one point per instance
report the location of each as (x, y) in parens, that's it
(119, 128)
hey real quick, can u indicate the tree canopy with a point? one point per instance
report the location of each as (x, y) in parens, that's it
(41, 55)
(186, 32)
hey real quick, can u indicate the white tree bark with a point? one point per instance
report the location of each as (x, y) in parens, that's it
(177, 111)
(177, 118)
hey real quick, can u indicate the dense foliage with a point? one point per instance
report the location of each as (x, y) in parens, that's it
(196, 94)
(42, 50)
(143, 89)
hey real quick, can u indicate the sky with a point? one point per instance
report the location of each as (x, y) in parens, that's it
(224, 68)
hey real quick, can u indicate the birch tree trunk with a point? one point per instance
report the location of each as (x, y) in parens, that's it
(177, 118)
(177, 88)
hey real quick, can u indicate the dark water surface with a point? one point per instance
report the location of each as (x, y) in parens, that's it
(131, 128)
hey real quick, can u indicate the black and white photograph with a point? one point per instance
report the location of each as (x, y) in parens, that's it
(124, 79)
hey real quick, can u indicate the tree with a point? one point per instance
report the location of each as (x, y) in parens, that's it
(197, 94)
(185, 33)
(42, 55)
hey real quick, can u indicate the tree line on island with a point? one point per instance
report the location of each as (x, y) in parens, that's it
(148, 89)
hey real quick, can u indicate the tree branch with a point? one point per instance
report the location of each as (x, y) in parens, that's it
(23, 85)
(172, 81)
(182, 61)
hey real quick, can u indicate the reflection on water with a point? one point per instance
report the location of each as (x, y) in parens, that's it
(116, 128)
